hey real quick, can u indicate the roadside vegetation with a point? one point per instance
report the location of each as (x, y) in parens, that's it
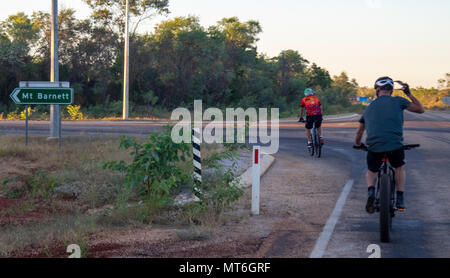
(430, 98)
(170, 67)
(51, 198)
(178, 62)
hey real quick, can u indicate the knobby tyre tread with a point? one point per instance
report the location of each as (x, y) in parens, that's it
(385, 207)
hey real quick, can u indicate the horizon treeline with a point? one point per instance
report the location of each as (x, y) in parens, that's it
(170, 67)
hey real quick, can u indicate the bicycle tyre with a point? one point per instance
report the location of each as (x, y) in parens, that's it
(311, 150)
(318, 147)
(385, 207)
(393, 196)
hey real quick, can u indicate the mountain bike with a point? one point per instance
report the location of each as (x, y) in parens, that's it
(316, 146)
(385, 194)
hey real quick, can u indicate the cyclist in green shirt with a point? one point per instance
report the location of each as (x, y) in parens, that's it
(383, 121)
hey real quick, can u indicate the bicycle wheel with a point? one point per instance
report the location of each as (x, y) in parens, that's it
(393, 195)
(385, 207)
(318, 147)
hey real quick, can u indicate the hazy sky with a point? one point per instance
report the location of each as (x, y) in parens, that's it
(406, 39)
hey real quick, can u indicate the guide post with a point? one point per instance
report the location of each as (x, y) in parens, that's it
(256, 179)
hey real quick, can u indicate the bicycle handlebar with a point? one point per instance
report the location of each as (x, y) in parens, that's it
(409, 147)
(405, 147)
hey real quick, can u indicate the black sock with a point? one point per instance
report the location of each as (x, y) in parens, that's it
(399, 193)
(371, 190)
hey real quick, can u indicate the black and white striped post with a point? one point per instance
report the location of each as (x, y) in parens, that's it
(196, 141)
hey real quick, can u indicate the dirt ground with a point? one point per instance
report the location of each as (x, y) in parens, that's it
(288, 225)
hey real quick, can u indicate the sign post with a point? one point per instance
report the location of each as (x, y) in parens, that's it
(256, 179)
(26, 125)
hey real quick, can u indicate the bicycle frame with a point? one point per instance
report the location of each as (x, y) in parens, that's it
(316, 147)
(386, 169)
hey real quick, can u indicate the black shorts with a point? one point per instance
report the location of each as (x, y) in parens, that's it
(396, 159)
(315, 119)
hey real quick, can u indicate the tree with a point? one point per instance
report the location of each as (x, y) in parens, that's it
(19, 28)
(345, 87)
(240, 34)
(291, 64)
(444, 83)
(181, 52)
(317, 76)
(17, 33)
(111, 13)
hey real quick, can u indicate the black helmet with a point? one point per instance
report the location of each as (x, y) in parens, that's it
(385, 83)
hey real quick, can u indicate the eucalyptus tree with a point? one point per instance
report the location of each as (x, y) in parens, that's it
(111, 13)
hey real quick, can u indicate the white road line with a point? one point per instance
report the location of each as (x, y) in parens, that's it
(324, 238)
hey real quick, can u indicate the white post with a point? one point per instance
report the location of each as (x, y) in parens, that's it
(126, 66)
(256, 179)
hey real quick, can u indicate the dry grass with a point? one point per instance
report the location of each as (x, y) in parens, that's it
(55, 219)
(79, 163)
(37, 221)
(34, 239)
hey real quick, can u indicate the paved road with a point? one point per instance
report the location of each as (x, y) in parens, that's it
(422, 231)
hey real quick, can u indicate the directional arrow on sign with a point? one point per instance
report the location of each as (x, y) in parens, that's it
(14, 95)
(42, 96)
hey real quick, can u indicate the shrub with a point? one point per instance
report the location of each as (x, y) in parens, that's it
(74, 112)
(220, 190)
(23, 113)
(12, 116)
(154, 171)
(42, 186)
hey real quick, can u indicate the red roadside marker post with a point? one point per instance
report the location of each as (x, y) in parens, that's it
(256, 179)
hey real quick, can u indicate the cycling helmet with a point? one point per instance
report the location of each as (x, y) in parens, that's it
(309, 92)
(385, 83)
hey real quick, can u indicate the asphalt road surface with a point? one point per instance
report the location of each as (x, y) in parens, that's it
(423, 230)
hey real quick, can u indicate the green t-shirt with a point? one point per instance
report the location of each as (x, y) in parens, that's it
(383, 119)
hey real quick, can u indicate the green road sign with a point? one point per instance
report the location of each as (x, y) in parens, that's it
(42, 95)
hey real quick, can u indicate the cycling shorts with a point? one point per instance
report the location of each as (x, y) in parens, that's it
(314, 119)
(396, 159)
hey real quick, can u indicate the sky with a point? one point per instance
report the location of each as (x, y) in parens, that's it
(408, 40)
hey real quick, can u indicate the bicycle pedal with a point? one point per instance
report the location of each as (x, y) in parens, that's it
(401, 209)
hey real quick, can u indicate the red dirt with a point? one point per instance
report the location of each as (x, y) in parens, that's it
(13, 213)
(6, 203)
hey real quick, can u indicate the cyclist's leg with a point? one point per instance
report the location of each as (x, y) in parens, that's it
(308, 135)
(374, 161)
(400, 178)
(309, 125)
(397, 160)
(318, 123)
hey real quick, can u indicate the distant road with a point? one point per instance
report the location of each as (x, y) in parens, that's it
(143, 128)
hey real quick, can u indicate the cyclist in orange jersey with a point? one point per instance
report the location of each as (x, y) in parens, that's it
(313, 107)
